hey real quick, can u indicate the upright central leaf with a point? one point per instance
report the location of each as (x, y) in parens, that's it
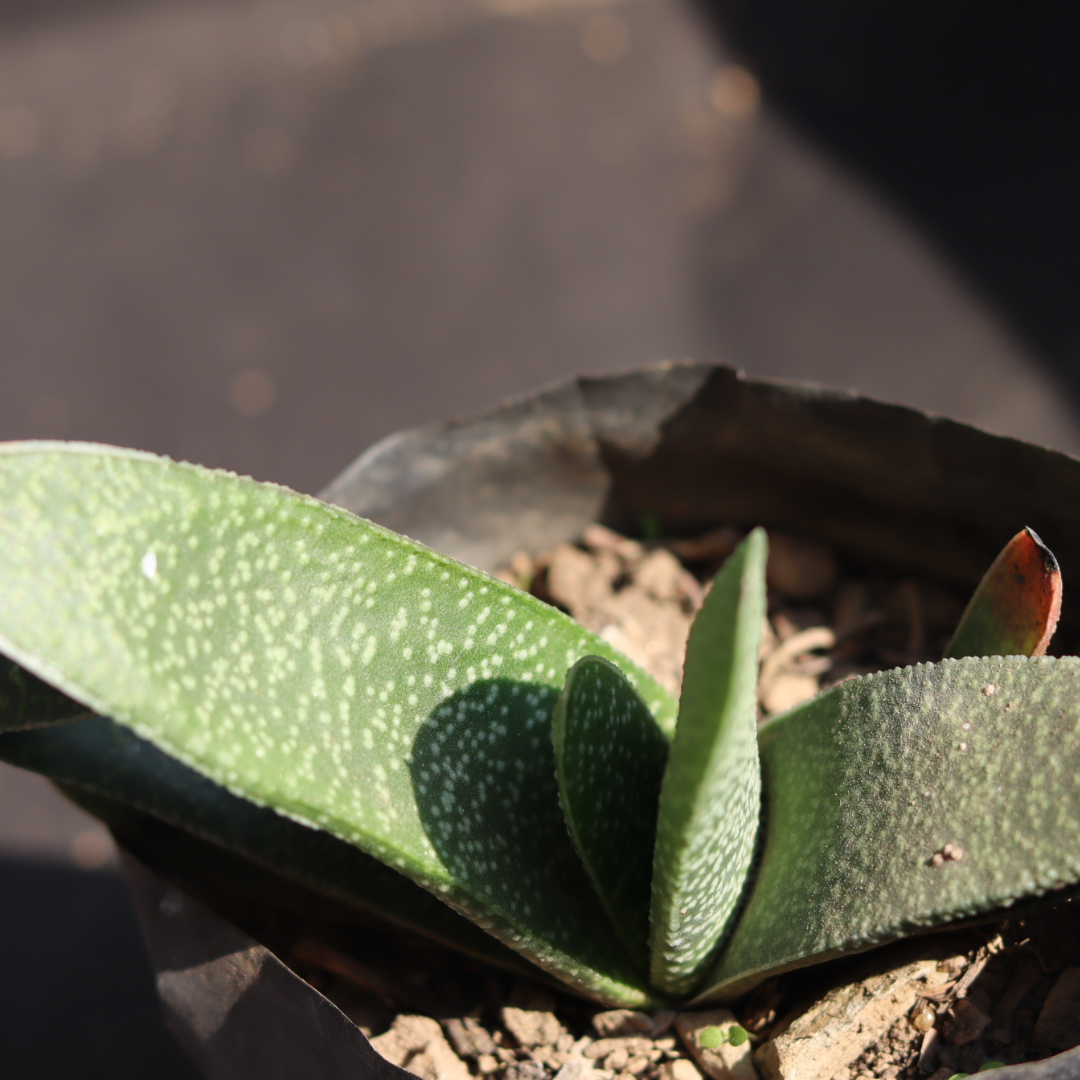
(317, 664)
(711, 796)
(609, 758)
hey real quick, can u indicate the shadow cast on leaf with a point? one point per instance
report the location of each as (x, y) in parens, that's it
(483, 773)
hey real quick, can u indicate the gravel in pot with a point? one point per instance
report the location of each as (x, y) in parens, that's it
(617, 499)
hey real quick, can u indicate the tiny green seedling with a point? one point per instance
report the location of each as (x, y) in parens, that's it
(240, 678)
(713, 1037)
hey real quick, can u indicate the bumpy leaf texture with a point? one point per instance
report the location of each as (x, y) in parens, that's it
(898, 801)
(1016, 607)
(610, 756)
(318, 665)
(711, 796)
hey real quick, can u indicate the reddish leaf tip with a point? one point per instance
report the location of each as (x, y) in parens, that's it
(1016, 607)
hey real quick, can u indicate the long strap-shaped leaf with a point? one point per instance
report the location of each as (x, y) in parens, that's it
(319, 665)
(906, 799)
(98, 759)
(711, 797)
(610, 756)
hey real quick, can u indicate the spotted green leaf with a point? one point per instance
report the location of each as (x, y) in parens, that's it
(907, 799)
(318, 665)
(609, 757)
(122, 778)
(711, 795)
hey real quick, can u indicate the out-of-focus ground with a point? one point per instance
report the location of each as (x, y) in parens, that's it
(262, 234)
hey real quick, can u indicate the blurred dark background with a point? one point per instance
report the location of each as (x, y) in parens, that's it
(262, 234)
(962, 114)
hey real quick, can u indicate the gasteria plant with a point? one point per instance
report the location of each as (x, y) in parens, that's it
(297, 688)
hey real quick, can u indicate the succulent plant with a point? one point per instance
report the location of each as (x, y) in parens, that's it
(216, 665)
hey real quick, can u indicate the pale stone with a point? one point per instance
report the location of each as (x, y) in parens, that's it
(617, 1060)
(416, 1043)
(577, 1069)
(620, 1022)
(836, 1031)
(582, 582)
(438, 1062)
(724, 1062)
(460, 1038)
(526, 1070)
(650, 631)
(531, 1028)
(679, 1069)
(601, 538)
(787, 690)
(602, 1047)
(548, 1055)
(408, 1035)
(662, 575)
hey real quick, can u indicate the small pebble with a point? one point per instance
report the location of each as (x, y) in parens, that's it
(680, 1069)
(577, 1069)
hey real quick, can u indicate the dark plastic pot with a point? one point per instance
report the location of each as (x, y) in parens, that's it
(688, 446)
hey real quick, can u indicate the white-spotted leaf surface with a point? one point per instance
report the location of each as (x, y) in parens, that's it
(710, 802)
(317, 664)
(610, 756)
(867, 783)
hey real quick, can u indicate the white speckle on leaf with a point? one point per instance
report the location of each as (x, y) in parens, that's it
(303, 665)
